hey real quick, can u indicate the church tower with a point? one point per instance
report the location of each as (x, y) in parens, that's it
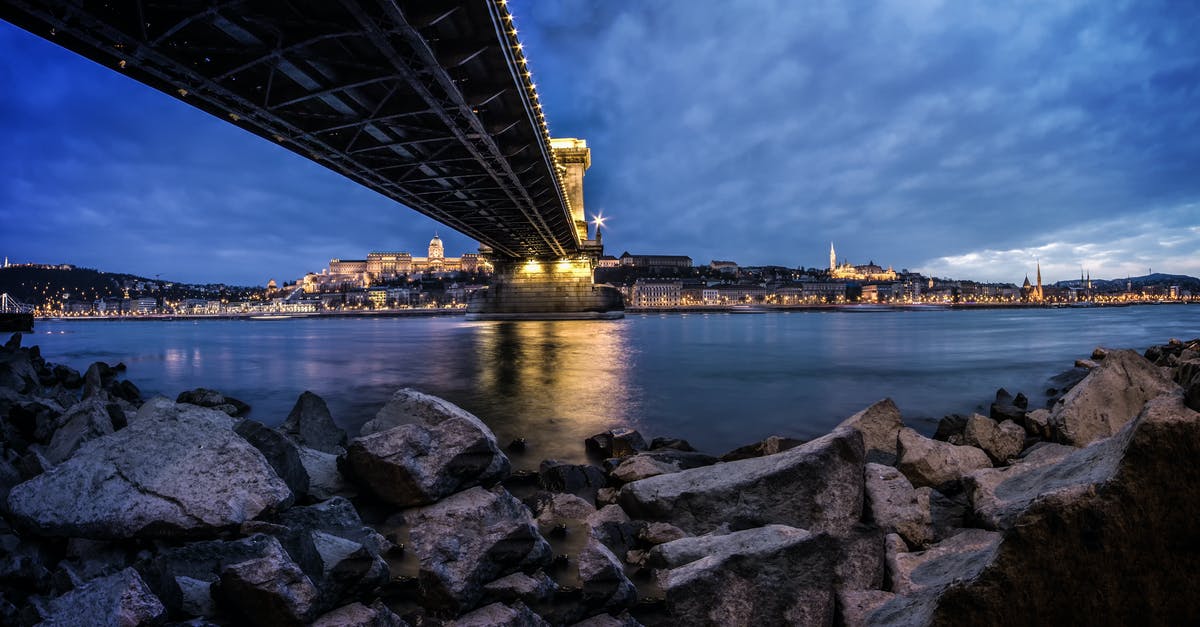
(832, 258)
(1039, 293)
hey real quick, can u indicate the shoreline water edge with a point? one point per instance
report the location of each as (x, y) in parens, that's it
(115, 509)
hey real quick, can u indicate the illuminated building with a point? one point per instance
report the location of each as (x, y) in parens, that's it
(869, 272)
(383, 266)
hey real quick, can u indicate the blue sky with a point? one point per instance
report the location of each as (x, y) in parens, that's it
(956, 138)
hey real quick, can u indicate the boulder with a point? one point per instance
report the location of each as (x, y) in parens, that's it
(608, 620)
(950, 429)
(17, 372)
(183, 576)
(555, 509)
(410, 407)
(817, 486)
(603, 578)
(469, 539)
(83, 422)
(676, 444)
(335, 516)
(999, 495)
(931, 463)
(859, 563)
(660, 462)
(1006, 408)
(500, 615)
(1111, 395)
(879, 424)
(358, 615)
(767, 575)
(769, 446)
(1037, 424)
(97, 379)
(414, 464)
(280, 452)
(119, 599)
(310, 424)
(557, 476)
(68, 377)
(943, 563)
(519, 586)
(1001, 442)
(270, 590)
(660, 533)
(213, 399)
(176, 469)
(612, 526)
(325, 480)
(618, 442)
(897, 507)
(1118, 542)
(340, 568)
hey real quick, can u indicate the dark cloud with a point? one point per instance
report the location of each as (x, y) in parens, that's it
(962, 138)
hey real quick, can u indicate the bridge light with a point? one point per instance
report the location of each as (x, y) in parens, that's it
(121, 64)
(182, 92)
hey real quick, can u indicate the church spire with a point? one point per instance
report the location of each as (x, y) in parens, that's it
(1040, 296)
(832, 257)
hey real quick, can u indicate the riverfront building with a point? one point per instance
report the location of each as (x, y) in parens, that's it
(847, 272)
(385, 266)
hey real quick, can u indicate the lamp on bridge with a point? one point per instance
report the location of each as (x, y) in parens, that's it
(598, 219)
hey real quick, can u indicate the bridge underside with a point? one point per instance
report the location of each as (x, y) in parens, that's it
(427, 103)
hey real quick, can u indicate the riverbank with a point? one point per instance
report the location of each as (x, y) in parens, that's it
(170, 510)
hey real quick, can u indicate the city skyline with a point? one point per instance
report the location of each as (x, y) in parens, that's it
(930, 140)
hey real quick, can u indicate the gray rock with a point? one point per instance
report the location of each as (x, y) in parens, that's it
(1037, 424)
(603, 577)
(270, 590)
(612, 526)
(500, 615)
(346, 568)
(768, 575)
(856, 606)
(119, 599)
(96, 380)
(520, 587)
(83, 422)
(769, 446)
(660, 462)
(860, 557)
(660, 533)
(556, 509)
(897, 507)
(183, 576)
(928, 462)
(879, 425)
(17, 372)
(608, 620)
(557, 476)
(999, 495)
(325, 480)
(1001, 442)
(1005, 407)
(817, 486)
(1107, 398)
(280, 452)
(441, 451)
(311, 425)
(618, 442)
(195, 596)
(176, 469)
(335, 516)
(962, 555)
(358, 615)
(469, 539)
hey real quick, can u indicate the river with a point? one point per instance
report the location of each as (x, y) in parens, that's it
(717, 380)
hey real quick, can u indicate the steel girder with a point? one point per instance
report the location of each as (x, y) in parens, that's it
(428, 108)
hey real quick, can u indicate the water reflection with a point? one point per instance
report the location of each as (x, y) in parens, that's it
(556, 382)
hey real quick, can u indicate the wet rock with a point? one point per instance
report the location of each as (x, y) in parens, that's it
(358, 615)
(618, 442)
(660, 462)
(528, 589)
(176, 469)
(767, 575)
(897, 507)
(68, 377)
(183, 577)
(931, 463)
(1062, 383)
(414, 464)
(675, 444)
(606, 496)
(469, 539)
(557, 476)
(879, 425)
(213, 399)
(280, 452)
(119, 599)
(17, 372)
(770, 446)
(1004, 408)
(1109, 397)
(660, 533)
(817, 486)
(950, 429)
(325, 480)
(603, 578)
(270, 590)
(83, 422)
(500, 615)
(311, 425)
(1086, 364)
(342, 568)
(335, 516)
(608, 620)
(97, 379)
(1037, 424)
(612, 526)
(555, 509)
(1001, 442)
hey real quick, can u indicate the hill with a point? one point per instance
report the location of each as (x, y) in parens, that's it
(38, 284)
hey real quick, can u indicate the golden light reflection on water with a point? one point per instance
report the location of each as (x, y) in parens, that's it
(578, 370)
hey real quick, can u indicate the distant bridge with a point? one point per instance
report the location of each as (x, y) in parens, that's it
(428, 103)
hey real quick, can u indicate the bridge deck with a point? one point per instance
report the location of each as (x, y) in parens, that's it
(427, 103)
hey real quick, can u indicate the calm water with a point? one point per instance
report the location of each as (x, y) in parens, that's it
(717, 380)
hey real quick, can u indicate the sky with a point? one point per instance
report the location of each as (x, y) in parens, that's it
(960, 139)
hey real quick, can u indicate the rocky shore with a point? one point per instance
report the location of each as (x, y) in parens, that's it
(119, 510)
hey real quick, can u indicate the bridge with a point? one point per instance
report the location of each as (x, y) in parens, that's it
(431, 104)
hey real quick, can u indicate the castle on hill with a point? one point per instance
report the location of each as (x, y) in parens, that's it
(868, 272)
